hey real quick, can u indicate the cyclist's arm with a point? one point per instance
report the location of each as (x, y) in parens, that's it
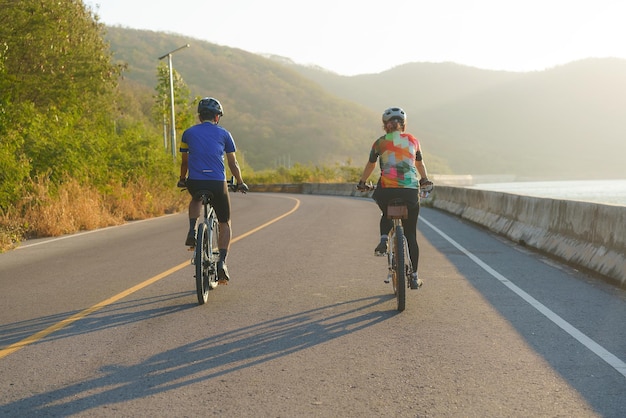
(367, 171)
(233, 165)
(184, 165)
(420, 166)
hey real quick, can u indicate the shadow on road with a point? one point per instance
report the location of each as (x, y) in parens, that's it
(205, 358)
(602, 387)
(118, 315)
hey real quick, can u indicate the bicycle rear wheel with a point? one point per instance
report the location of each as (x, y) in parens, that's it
(202, 262)
(213, 253)
(400, 279)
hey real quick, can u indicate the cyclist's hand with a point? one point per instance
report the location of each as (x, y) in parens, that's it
(362, 187)
(182, 183)
(426, 185)
(242, 187)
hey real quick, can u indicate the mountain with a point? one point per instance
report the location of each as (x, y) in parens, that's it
(563, 123)
(567, 122)
(415, 86)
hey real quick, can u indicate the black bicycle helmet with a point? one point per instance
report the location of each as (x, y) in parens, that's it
(394, 113)
(210, 105)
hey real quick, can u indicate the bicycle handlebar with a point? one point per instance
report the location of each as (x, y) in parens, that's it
(234, 187)
(365, 187)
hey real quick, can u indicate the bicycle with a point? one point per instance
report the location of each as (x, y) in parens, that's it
(400, 268)
(206, 252)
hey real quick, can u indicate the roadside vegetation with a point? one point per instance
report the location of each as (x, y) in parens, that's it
(48, 209)
(81, 147)
(74, 154)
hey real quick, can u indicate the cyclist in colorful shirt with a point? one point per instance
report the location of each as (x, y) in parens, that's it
(203, 147)
(400, 158)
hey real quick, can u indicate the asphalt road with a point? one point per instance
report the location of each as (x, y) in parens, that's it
(106, 323)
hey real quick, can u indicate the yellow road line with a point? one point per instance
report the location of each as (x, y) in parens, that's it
(295, 208)
(70, 320)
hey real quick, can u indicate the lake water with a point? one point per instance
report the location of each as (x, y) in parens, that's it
(599, 191)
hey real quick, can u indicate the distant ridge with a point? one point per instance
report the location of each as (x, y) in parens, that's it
(563, 123)
(568, 122)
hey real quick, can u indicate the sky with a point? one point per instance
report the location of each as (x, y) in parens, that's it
(352, 37)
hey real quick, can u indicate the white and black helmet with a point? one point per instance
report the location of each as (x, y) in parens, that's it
(394, 113)
(211, 106)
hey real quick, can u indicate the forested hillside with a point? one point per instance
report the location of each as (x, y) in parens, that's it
(274, 113)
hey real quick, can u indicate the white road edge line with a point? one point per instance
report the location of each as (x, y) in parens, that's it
(92, 231)
(596, 348)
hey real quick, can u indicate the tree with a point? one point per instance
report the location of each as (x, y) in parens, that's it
(14, 166)
(60, 109)
(59, 86)
(55, 52)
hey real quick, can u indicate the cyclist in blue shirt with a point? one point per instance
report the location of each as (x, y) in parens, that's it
(203, 147)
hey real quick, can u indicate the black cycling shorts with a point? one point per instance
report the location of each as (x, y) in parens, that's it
(221, 199)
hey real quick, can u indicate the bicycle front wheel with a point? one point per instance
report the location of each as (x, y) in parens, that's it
(399, 269)
(202, 262)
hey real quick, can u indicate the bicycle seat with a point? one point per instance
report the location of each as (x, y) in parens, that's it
(204, 195)
(397, 209)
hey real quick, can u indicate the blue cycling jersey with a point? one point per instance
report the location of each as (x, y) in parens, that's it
(206, 144)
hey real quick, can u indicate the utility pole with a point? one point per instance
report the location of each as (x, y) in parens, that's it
(172, 114)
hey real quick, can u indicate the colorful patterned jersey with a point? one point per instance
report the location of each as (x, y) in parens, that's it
(396, 152)
(206, 144)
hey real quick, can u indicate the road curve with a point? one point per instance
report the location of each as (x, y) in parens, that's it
(106, 323)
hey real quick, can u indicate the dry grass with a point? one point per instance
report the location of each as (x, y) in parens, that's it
(71, 207)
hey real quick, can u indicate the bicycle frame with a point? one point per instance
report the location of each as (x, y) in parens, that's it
(398, 258)
(206, 253)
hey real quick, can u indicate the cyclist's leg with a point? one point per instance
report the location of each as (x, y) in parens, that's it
(410, 233)
(224, 239)
(411, 197)
(195, 207)
(385, 224)
(221, 205)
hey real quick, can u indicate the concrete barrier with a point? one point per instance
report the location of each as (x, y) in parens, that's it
(335, 189)
(588, 235)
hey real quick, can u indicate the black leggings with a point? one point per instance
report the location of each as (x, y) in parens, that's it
(411, 197)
